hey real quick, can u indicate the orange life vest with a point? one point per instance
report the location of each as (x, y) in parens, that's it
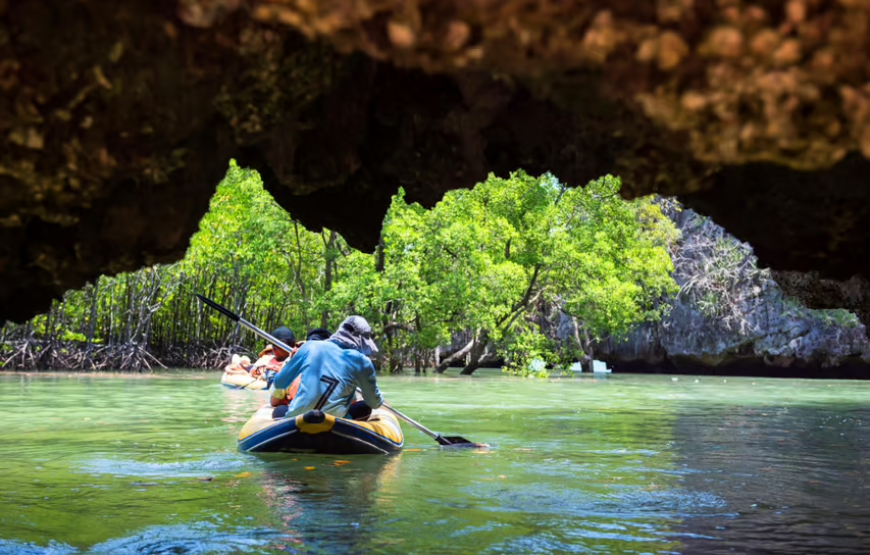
(267, 361)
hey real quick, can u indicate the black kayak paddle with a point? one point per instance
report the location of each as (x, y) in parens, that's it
(444, 441)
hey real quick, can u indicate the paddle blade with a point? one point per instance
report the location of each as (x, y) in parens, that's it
(223, 310)
(456, 441)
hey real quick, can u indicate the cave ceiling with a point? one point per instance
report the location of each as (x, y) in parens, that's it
(117, 120)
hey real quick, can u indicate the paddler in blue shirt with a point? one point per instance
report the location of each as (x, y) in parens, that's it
(331, 371)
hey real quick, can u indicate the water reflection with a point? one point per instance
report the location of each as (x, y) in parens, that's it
(334, 507)
(12, 547)
(198, 538)
(794, 479)
(200, 467)
(241, 404)
(331, 508)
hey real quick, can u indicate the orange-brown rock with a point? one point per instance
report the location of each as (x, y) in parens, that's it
(117, 119)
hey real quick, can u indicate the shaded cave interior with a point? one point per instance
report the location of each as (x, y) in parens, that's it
(109, 159)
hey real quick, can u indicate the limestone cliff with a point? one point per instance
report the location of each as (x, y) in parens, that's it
(730, 312)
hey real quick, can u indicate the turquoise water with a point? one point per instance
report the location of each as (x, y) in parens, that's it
(626, 464)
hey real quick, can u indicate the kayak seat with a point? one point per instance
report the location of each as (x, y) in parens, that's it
(357, 411)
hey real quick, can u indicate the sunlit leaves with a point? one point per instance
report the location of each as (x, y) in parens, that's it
(486, 260)
(480, 257)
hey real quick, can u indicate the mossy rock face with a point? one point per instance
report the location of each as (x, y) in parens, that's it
(106, 131)
(117, 120)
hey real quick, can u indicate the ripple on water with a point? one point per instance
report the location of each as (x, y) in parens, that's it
(634, 503)
(541, 500)
(200, 538)
(675, 502)
(488, 527)
(120, 467)
(10, 547)
(541, 543)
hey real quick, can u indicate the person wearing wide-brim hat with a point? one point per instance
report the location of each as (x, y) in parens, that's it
(330, 372)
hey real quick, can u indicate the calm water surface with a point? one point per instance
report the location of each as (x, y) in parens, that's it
(626, 464)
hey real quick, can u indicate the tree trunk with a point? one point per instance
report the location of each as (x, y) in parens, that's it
(92, 323)
(458, 355)
(586, 347)
(476, 355)
(328, 269)
(111, 331)
(300, 276)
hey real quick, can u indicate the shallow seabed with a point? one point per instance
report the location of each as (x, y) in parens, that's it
(623, 464)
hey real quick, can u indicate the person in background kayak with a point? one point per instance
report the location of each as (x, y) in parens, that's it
(238, 365)
(318, 334)
(330, 372)
(273, 358)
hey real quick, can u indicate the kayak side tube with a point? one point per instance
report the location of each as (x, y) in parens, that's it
(241, 381)
(317, 432)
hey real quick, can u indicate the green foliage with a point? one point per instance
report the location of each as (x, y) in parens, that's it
(529, 353)
(260, 260)
(838, 317)
(793, 308)
(73, 336)
(485, 260)
(611, 262)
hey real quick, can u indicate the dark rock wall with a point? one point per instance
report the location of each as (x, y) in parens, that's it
(117, 119)
(809, 224)
(108, 158)
(777, 81)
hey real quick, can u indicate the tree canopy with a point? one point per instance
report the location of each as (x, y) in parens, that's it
(488, 260)
(480, 277)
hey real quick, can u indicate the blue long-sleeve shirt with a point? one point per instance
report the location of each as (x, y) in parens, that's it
(330, 376)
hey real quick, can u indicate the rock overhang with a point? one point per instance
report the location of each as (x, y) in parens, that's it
(117, 120)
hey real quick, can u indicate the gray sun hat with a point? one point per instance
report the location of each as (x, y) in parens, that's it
(356, 333)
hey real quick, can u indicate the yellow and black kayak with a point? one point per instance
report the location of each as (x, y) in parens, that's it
(243, 381)
(317, 432)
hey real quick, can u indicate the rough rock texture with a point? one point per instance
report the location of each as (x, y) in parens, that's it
(779, 81)
(117, 119)
(108, 158)
(815, 291)
(730, 313)
(814, 224)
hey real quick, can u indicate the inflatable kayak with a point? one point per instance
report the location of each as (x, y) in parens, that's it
(317, 432)
(243, 381)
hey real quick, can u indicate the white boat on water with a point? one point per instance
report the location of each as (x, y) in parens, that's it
(598, 367)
